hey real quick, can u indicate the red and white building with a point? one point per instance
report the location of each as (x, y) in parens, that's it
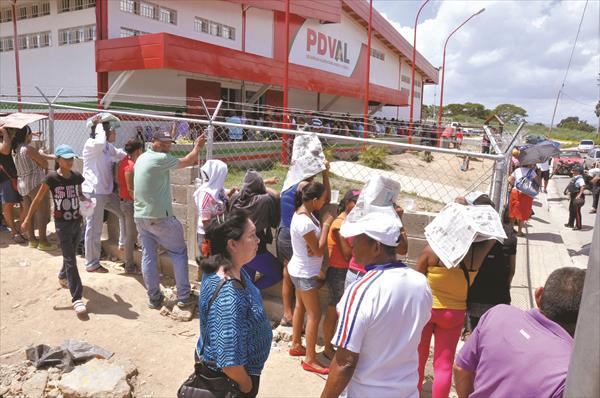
(175, 51)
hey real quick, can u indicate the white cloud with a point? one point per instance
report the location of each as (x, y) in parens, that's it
(515, 52)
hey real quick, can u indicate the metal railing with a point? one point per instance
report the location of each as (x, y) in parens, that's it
(430, 176)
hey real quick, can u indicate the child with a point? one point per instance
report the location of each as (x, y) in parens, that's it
(340, 253)
(65, 186)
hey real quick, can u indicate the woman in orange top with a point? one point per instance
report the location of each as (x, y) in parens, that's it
(340, 253)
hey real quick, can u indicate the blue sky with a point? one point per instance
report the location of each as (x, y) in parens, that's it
(515, 52)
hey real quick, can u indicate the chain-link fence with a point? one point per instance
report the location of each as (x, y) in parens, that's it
(433, 169)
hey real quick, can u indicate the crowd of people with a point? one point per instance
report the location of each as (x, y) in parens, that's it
(381, 314)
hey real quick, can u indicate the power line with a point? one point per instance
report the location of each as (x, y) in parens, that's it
(568, 66)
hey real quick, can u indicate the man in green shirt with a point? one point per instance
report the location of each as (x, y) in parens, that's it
(154, 216)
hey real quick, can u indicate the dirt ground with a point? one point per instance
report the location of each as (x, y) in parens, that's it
(35, 310)
(444, 168)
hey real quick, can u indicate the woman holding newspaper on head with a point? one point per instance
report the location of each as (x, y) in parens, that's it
(459, 239)
(307, 161)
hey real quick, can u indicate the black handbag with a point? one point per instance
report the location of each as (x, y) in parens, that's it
(205, 382)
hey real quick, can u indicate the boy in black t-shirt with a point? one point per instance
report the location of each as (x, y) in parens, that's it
(65, 186)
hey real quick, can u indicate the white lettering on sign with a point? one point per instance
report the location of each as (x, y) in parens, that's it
(331, 47)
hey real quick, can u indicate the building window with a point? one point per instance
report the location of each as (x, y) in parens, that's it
(28, 41)
(167, 15)
(45, 8)
(74, 5)
(79, 34)
(406, 79)
(37, 9)
(6, 44)
(128, 6)
(126, 32)
(377, 54)
(213, 28)
(6, 15)
(149, 10)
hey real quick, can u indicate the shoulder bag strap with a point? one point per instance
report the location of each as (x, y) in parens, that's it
(210, 303)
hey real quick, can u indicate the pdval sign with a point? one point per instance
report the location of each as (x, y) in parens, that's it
(333, 48)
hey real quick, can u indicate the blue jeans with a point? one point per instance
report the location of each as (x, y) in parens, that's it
(68, 235)
(93, 227)
(167, 232)
(130, 232)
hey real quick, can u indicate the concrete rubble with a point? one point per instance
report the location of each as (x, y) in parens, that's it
(97, 378)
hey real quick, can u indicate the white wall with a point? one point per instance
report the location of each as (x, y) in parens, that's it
(71, 67)
(259, 32)
(303, 99)
(156, 86)
(219, 11)
(385, 73)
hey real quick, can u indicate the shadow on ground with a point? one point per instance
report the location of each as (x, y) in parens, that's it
(545, 236)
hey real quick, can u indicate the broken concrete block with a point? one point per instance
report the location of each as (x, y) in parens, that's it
(97, 378)
(34, 387)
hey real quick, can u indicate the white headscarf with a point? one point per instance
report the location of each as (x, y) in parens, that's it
(214, 173)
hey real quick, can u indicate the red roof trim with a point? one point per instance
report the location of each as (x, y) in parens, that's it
(167, 51)
(323, 10)
(392, 36)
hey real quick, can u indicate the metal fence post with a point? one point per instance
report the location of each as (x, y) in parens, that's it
(497, 183)
(209, 141)
(51, 129)
(50, 117)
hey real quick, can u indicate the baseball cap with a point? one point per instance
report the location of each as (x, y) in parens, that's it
(163, 136)
(64, 151)
(317, 122)
(374, 213)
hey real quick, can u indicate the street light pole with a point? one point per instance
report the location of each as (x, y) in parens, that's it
(412, 79)
(16, 49)
(444, 70)
(367, 75)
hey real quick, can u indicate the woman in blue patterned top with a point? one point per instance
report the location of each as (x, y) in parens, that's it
(239, 333)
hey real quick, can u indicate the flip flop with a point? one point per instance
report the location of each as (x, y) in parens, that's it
(310, 368)
(295, 352)
(285, 322)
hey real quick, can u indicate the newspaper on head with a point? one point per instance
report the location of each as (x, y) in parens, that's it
(308, 160)
(452, 232)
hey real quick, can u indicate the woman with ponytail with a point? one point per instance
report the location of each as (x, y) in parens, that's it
(235, 334)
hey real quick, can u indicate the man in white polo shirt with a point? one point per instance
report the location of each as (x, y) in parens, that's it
(381, 316)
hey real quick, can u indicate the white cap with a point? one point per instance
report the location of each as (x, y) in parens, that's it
(374, 213)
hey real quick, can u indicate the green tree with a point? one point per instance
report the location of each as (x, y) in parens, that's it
(573, 123)
(598, 109)
(510, 113)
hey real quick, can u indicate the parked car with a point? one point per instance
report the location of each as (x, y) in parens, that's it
(585, 145)
(592, 159)
(562, 164)
(534, 139)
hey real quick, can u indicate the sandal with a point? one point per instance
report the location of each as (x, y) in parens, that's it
(310, 368)
(79, 307)
(33, 244)
(285, 322)
(297, 352)
(18, 239)
(47, 247)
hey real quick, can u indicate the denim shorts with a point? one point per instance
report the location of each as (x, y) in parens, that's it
(305, 284)
(336, 280)
(8, 194)
(284, 245)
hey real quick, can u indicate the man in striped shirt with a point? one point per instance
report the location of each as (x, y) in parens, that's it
(381, 315)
